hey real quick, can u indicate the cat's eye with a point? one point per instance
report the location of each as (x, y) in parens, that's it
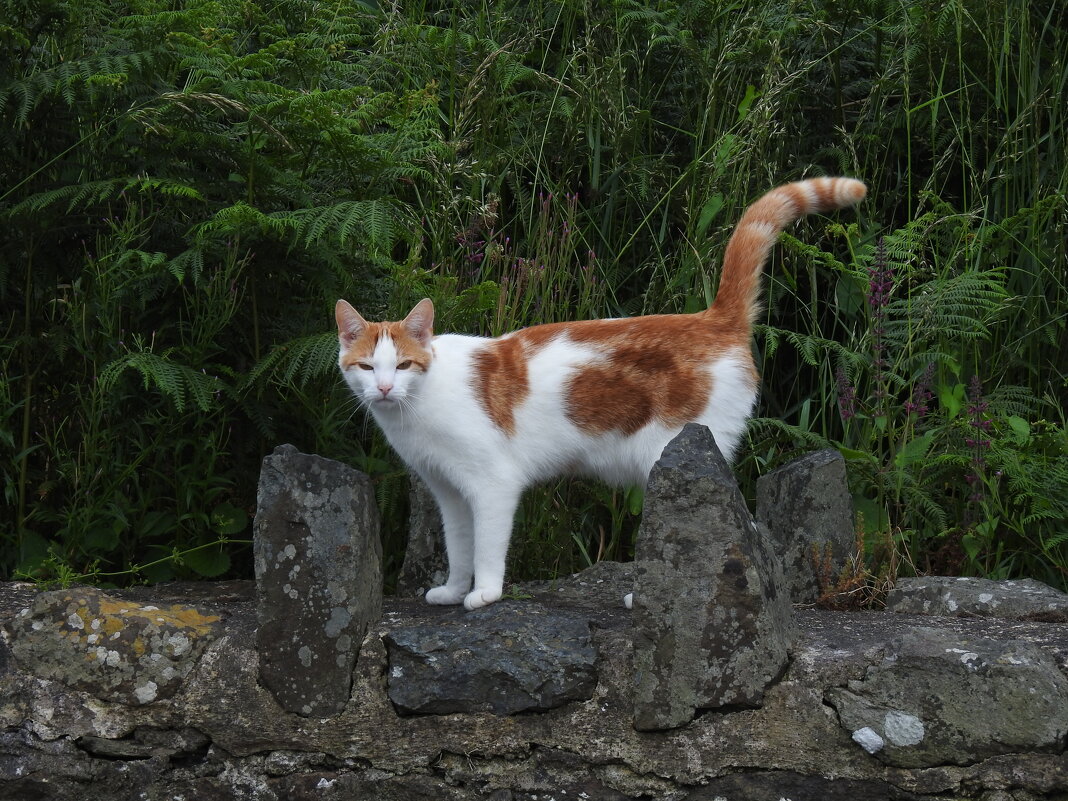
(404, 365)
(365, 366)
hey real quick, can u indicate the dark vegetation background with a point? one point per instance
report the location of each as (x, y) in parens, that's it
(187, 187)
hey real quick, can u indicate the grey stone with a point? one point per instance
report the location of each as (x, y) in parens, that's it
(235, 742)
(951, 595)
(807, 507)
(28, 765)
(318, 577)
(115, 649)
(344, 786)
(505, 658)
(712, 627)
(146, 742)
(425, 565)
(774, 784)
(935, 698)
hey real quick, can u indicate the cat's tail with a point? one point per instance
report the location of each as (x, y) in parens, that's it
(738, 296)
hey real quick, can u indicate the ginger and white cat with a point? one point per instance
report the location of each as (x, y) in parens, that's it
(480, 420)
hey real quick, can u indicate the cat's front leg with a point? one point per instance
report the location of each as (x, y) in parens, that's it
(459, 543)
(494, 511)
(446, 594)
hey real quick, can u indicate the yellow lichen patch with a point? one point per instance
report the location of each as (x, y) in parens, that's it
(118, 614)
(191, 618)
(116, 649)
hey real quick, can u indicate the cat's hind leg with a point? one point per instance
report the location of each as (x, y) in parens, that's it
(459, 542)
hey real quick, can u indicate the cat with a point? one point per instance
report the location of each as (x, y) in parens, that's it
(480, 420)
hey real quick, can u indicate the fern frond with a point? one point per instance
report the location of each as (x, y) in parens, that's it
(188, 262)
(1056, 541)
(773, 426)
(916, 496)
(957, 306)
(815, 350)
(165, 186)
(72, 79)
(1013, 400)
(298, 361)
(378, 223)
(242, 218)
(75, 196)
(176, 382)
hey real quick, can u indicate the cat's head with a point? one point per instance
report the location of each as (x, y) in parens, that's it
(383, 363)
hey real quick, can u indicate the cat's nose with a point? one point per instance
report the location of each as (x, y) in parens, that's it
(384, 389)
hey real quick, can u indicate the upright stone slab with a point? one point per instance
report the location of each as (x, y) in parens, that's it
(424, 565)
(712, 626)
(807, 507)
(318, 578)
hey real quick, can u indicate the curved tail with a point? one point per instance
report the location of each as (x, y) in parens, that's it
(743, 261)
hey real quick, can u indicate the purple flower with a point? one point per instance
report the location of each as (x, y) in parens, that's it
(921, 393)
(847, 395)
(880, 279)
(977, 405)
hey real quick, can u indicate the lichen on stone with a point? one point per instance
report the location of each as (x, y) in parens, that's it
(114, 649)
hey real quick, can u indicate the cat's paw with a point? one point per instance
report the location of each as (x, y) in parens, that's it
(481, 596)
(445, 595)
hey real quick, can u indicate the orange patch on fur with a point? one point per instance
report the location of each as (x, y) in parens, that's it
(408, 349)
(501, 380)
(653, 367)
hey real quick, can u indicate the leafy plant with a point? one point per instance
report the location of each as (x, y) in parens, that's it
(187, 191)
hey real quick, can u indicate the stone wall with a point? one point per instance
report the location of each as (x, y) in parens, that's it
(164, 693)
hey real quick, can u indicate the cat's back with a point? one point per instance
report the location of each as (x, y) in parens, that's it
(608, 376)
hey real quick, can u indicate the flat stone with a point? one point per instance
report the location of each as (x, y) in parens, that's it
(712, 627)
(114, 649)
(146, 742)
(951, 595)
(935, 698)
(807, 507)
(318, 578)
(506, 658)
(790, 785)
(425, 565)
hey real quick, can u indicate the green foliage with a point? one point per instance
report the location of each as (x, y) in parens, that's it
(952, 470)
(186, 193)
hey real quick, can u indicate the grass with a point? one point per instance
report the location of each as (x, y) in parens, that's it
(189, 191)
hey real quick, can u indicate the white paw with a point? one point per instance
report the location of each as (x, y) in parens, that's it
(444, 595)
(478, 598)
(628, 600)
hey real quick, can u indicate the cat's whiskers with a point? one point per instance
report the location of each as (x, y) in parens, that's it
(407, 406)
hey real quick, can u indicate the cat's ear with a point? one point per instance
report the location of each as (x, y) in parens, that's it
(419, 324)
(349, 323)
